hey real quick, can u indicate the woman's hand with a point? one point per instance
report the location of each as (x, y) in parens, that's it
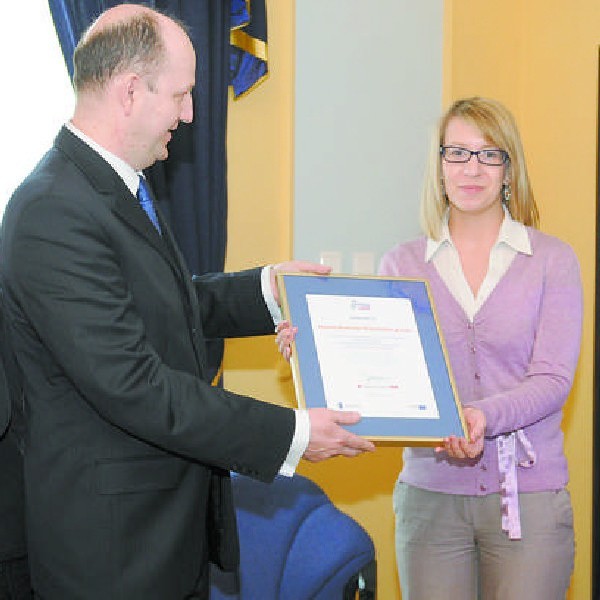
(472, 447)
(284, 338)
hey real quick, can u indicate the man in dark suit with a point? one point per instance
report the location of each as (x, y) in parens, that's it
(14, 572)
(128, 447)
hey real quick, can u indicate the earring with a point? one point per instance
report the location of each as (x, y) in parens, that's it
(506, 192)
(443, 189)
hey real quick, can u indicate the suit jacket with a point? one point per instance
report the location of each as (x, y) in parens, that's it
(124, 434)
(12, 526)
(5, 404)
(5, 408)
(12, 523)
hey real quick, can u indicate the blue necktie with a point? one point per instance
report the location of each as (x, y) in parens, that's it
(145, 199)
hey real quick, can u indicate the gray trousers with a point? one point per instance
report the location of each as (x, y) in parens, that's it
(453, 546)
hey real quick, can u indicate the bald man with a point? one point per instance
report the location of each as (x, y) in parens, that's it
(128, 447)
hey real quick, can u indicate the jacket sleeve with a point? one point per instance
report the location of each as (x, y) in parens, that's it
(72, 307)
(554, 355)
(232, 304)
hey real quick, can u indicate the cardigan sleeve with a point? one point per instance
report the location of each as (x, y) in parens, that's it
(555, 352)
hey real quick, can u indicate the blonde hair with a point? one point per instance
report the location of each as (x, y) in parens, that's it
(498, 126)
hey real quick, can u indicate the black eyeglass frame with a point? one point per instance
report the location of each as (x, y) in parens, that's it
(476, 153)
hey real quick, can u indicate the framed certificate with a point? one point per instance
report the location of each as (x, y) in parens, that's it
(372, 345)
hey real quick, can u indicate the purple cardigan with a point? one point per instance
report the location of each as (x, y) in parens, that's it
(515, 361)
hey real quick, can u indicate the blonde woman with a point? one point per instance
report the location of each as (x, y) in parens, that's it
(489, 516)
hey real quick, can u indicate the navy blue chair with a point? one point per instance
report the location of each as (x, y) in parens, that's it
(295, 545)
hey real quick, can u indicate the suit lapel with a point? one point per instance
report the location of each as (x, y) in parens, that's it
(186, 278)
(128, 209)
(132, 213)
(118, 196)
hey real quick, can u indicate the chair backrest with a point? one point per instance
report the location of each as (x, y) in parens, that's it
(294, 543)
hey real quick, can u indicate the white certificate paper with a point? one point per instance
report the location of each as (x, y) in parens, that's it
(371, 357)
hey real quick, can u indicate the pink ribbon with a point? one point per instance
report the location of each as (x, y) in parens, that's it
(509, 446)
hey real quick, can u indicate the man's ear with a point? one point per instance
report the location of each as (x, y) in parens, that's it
(128, 88)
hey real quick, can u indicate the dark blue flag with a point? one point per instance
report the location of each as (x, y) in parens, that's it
(248, 50)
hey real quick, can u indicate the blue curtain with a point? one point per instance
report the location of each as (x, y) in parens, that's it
(191, 185)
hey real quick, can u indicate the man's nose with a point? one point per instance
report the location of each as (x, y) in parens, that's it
(187, 110)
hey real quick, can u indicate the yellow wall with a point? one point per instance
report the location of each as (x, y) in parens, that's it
(260, 199)
(540, 57)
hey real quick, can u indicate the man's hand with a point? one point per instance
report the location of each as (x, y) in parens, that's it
(295, 266)
(467, 448)
(328, 438)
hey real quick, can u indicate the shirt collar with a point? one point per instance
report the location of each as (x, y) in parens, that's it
(445, 240)
(512, 233)
(125, 171)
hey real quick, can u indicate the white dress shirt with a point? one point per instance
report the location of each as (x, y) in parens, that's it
(512, 239)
